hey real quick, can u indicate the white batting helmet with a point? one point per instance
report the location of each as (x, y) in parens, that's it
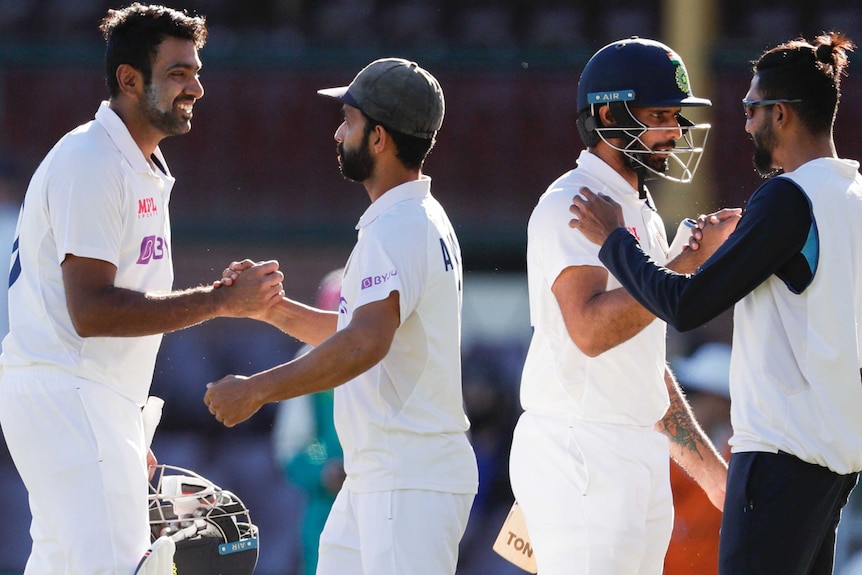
(212, 527)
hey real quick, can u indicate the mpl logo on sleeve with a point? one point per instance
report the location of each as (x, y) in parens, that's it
(372, 281)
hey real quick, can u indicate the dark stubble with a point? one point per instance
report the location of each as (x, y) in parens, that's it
(764, 143)
(167, 122)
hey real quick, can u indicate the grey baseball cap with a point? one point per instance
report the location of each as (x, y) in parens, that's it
(398, 94)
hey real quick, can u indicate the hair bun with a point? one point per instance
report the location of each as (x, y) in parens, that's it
(823, 53)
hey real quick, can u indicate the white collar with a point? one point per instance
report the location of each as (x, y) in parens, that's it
(119, 134)
(415, 189)
(611, 178)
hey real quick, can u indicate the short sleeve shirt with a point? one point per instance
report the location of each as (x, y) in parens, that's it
(624, 385)
(96, 196)
(402, 423)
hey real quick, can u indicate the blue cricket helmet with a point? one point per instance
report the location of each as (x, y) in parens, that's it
(642, 72)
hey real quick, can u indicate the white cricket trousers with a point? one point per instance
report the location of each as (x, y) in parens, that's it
(402, 532)
(79, 448)
(596, 497)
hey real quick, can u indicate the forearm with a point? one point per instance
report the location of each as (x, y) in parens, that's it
(687, 262)
(612, 317)
(689, 445)
(657, 289)
(349, 352)
(98, 308)
(126, 313)
(307, 324)
(335, 361)
(774, 230)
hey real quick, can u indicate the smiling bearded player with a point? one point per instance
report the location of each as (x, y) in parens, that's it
(90, 295)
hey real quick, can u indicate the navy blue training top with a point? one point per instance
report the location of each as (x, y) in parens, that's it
(776, 235)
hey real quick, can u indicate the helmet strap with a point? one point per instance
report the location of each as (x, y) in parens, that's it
(641, 172)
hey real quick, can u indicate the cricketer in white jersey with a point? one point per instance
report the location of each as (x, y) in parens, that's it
(90, 295)
(391, 351)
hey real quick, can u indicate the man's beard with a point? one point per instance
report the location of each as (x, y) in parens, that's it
(656, 163)
(764, 143)
(660, 163)
(651, 158)
(356, 165)
(167, 122)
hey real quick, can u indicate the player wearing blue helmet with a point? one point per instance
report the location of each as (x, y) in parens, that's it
(791, 270)
(640, 73)
(589, 461)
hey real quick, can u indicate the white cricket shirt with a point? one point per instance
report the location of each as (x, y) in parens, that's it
(402, 423)
(94, 195)
(624, 385)
(794, 376)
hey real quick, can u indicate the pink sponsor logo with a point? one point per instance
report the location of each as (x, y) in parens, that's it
(147, 208)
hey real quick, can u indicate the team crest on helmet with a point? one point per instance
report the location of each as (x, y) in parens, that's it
(680, 74)
(682, 79)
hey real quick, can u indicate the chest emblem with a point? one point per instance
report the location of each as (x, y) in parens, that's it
(147, 208)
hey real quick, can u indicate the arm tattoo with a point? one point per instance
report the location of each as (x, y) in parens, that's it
(680, 427)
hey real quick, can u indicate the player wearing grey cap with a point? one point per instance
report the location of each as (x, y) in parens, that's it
(391, 351)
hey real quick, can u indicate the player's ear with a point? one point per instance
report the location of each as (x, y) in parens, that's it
(779, 110)
(130, 79)
(379, 138)
(606, 116)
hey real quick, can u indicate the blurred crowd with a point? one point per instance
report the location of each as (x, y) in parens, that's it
(440, 23)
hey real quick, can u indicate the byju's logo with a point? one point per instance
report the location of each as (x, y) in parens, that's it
(377, 280)
(147, 208)
(152, 248)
